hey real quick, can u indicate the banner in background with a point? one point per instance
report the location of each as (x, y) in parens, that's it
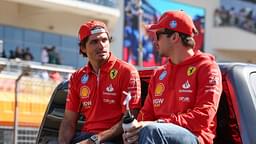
(152, 10)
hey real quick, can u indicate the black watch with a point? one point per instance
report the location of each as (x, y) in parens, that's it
(95, 139)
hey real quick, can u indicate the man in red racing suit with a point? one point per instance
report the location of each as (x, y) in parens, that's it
(184, 94)
(96, 90)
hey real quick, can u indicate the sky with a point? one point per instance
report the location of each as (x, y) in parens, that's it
(164, 5)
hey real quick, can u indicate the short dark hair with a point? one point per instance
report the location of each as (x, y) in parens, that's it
(187, 40)
(83, 42)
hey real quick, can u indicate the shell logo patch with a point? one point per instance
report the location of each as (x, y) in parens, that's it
(159, 89)
(84, 91)
(191, 70)
(113, 73)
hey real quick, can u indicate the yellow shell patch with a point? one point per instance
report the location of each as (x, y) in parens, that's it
(159, 89)
(191, 70)
(113, 73)
(84, 91)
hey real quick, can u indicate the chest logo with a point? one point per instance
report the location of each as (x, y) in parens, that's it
(186, 85)
(84, 79)
(113, 73)
(184, 99)
(159, 89)
(191, 70)
(110, 88)
(158, 102)
(173, 24)
(162, 75)
(84, 91)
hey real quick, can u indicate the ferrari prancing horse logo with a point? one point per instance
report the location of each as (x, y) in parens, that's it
(191, 70)
(113, 73)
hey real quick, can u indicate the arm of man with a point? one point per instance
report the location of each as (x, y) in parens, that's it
(112, 133)
(115, 130)
(147, 111)
(68, 127)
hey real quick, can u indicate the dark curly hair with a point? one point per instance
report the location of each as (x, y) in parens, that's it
(83, 42)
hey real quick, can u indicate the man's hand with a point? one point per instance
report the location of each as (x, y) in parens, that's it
(131, 136)
(95, 139)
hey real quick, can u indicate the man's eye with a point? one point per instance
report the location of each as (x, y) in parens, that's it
(104, 39)
(94, 41)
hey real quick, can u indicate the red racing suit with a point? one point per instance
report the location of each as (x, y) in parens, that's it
(99, 97)
(186, 94)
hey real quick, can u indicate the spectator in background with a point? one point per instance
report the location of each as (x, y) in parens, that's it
(2, 51)
(233, 16)
(217, 18)
(18, 53)
(27, 55)
(54, 57)
(3, 55)
(44, 55)
(12, 54)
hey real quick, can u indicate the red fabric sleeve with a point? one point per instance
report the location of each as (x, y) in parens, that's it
(131, 83)
(73, 99)
(147, 111)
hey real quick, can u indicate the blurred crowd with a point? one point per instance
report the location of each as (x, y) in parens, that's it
(136, 35)
(243, 18)
(49, 55)
(19, 53)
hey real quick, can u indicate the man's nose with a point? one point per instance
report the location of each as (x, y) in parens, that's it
(101, 44)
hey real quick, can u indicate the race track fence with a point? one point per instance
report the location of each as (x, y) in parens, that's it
(32, 93)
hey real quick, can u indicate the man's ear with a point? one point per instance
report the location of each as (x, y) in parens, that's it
(83, 49)
(175, 36)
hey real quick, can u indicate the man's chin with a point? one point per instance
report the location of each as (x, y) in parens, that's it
(103, 56)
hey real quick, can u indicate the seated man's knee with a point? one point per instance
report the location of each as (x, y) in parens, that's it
(166, 133)
(148, 129)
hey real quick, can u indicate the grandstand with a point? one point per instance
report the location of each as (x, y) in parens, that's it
(227, 43)
(36, 24)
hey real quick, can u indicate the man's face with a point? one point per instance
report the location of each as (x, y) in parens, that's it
(163, 43)
(97, 47)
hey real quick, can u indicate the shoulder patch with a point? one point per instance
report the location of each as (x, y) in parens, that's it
(84, 79)
(163, 75)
